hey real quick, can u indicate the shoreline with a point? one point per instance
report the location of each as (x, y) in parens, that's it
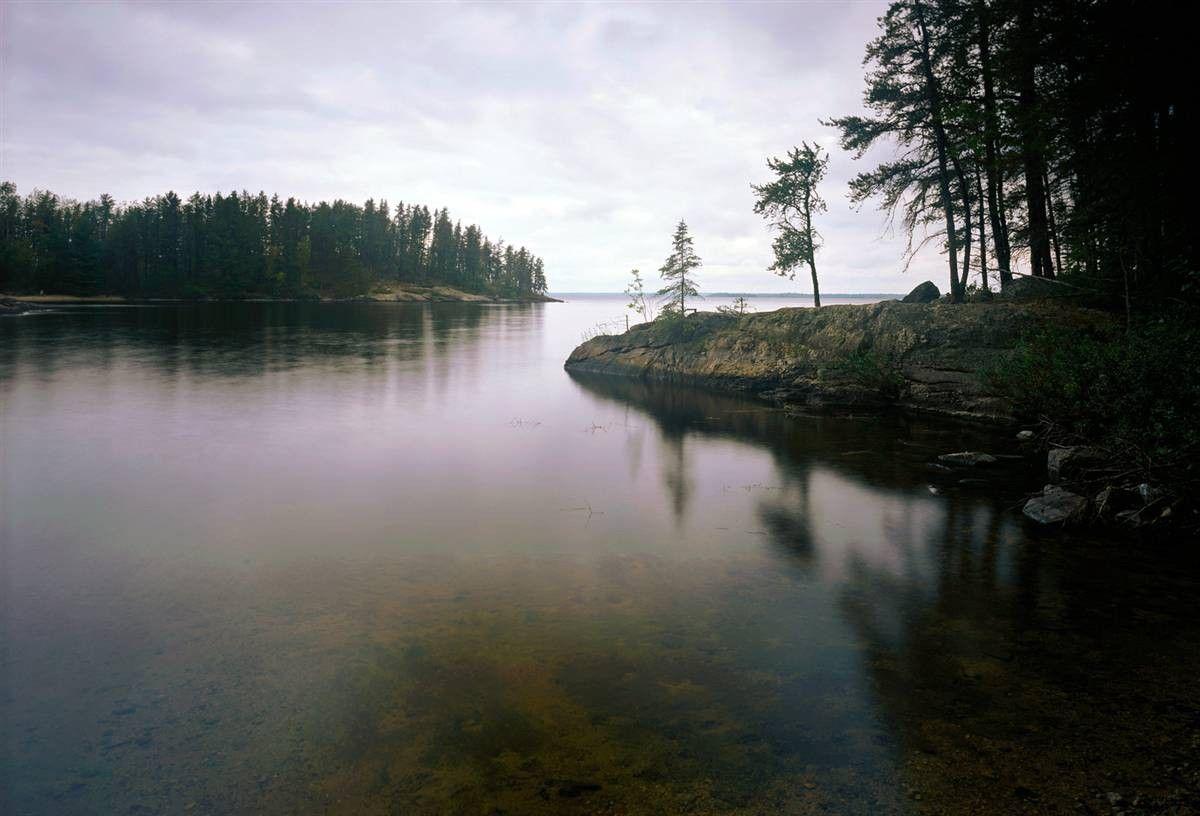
(406, 294)
(932, 359)
(929, 358)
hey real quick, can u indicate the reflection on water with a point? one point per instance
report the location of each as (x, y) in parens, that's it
(391, 558)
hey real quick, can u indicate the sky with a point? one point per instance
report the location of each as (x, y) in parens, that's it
(582, 131)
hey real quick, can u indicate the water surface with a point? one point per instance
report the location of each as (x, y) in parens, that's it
(391, 558)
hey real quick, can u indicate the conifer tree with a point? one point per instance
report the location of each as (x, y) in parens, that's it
(677, 269)
(242, 244)
(790, 201)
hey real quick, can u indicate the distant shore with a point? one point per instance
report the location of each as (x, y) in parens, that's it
(398, 294)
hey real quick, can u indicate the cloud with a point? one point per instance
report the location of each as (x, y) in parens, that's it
(584, 131)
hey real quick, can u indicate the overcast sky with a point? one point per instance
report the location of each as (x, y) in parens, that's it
(583, 131)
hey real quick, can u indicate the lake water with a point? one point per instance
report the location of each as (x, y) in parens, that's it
(391, 558)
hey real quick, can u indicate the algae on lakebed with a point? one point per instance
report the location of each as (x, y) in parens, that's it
(610, 687)
(629, 685)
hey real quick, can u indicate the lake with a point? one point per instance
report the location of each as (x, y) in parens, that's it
(392, 558)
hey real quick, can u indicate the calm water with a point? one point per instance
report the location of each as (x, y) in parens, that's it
(384, 558)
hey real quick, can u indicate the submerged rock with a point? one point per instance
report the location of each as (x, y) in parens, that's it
(967, 459)
(926, 292)
(1055, 506)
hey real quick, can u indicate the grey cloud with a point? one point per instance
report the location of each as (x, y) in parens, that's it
(584, 131)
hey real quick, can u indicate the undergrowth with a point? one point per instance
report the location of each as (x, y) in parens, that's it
(1135, 389)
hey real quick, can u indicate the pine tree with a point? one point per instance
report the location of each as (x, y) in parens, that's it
(790, 201)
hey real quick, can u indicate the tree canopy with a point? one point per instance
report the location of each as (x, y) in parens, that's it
(1048, 135)
(677, 271)
(789, 201)
(241, 244)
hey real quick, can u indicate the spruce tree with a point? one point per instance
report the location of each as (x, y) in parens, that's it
(677, 269)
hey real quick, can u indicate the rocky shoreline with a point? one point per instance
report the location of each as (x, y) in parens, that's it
(403, 294)
(12, 306)
(932, 358)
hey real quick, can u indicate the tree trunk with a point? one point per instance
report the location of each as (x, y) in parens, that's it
(983, 272)
(812, 250)
(932, 92)
(964, 191)
(1053, 223)
(995, 186)
(1040, 262)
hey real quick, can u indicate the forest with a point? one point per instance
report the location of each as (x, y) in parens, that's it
(1048, 139)
(244, 245)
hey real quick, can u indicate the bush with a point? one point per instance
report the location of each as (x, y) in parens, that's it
(875, 371)
(1139, 388)
(193, 292)
(673, 327)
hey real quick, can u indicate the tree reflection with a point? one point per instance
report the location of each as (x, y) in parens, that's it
(1007, 679)
(1016, 674)
(676, 475)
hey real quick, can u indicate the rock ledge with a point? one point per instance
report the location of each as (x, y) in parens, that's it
(927, 357)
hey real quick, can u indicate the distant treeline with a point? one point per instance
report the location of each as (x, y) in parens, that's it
(1058, 134)
(240, 245)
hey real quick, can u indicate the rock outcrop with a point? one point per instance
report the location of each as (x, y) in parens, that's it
(931, 357)
(1066, 464)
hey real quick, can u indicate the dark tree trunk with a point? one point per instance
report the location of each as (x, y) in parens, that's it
(812, 251)
(991, 128)
(1040, 262)
(983, 271)
(964, 191)
(935, 109)
(1053, 222)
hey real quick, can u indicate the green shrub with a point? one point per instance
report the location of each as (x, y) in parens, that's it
(873, 370)
(673, 327)
(1139, 388)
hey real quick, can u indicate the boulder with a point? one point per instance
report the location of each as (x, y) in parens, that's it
(1064, 464)
(967, 459)
(1030, 288)
(1055, 506)
(1112, 501)
(926, 292)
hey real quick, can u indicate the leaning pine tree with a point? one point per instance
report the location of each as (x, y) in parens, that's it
(790, 201)
(677, 270)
